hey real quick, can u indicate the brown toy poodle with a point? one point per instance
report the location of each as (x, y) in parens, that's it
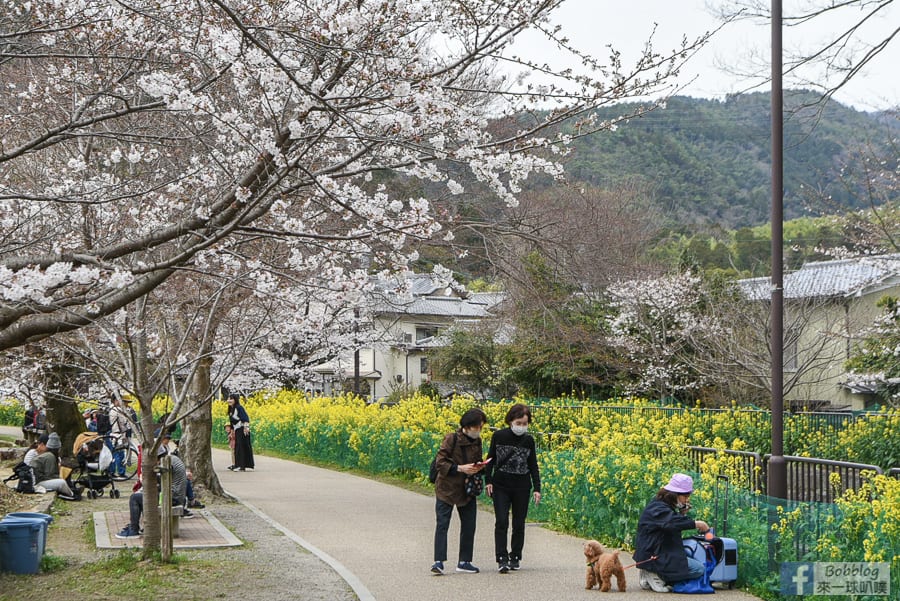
(601, 567)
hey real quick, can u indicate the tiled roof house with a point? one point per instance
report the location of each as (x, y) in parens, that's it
(840, 298)
(409, 316)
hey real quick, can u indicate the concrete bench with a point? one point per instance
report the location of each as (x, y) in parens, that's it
(177, 514)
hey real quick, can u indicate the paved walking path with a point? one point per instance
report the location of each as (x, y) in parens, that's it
(382, 536)
(379, 538)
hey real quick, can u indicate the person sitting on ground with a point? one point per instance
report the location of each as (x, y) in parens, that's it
(658, 547)
(136, 501)
(30, 454)
(46, 468)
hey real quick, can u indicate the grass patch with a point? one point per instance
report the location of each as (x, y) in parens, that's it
(121, 575)
(90, 533)
(53, 563)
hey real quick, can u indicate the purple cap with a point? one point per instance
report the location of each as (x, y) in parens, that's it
(681, 484)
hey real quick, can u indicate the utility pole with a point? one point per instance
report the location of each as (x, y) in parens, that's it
(777, 469)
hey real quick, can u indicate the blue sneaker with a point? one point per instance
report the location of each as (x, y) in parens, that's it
(438, 567)
(467, 567)
(128, 532)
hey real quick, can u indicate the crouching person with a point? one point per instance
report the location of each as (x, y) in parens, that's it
(136, 502)
(658, 547)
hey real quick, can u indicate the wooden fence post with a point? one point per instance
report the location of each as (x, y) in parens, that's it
(165, 508)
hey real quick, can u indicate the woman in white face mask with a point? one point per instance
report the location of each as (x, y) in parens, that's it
(511, 474)
(458, 458)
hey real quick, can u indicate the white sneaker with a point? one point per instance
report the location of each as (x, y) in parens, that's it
(645, 584)
(657, 584)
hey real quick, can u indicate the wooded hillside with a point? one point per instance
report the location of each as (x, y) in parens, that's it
(707, 161)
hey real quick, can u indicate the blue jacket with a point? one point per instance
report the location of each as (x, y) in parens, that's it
(659, 533)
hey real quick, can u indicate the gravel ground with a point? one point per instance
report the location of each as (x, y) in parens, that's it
(275, 568)
(269, 567)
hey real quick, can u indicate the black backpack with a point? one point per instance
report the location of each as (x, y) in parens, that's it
(24, 473)
(103, 425)
(433, 470)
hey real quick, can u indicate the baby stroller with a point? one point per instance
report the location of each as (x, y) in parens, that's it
(94, 459)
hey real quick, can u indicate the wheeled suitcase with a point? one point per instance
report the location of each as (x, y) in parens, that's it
(726, 570)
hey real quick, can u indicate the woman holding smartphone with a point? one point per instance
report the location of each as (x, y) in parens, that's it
(458, 457)
(511, 474)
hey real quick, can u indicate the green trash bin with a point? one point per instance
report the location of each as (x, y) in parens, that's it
(20, 546)
(32, 516)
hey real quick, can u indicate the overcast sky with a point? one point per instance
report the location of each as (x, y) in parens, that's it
(593, 24)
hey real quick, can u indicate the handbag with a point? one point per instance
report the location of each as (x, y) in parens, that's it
(702, 552)
(474, 484)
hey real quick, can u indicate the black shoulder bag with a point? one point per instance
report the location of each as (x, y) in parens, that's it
(433, 470)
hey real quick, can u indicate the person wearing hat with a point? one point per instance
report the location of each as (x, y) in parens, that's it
(90, 420)
(658, 547)
(136, 501)
(46, 467)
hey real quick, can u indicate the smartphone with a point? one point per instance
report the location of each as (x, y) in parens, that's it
(485, 462)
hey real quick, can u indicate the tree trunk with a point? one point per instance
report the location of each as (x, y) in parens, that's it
(61, 410)
(149, 459)
(195, 445)
(152, 538)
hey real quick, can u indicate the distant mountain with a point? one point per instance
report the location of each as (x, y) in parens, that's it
(708, 161)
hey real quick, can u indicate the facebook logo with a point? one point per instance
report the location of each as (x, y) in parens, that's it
(797, 578)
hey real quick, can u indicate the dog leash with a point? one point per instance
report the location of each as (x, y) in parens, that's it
(639, 562)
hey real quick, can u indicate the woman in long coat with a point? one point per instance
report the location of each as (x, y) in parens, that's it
(240, 421)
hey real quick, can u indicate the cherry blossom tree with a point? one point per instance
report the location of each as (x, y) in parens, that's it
(187, 338)
(708, 338)
(654, 324)
(138, 137)
(279, 151)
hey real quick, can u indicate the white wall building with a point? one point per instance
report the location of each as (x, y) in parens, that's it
(839, 299)
(409, 315)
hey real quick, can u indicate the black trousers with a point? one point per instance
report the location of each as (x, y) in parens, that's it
(243, 451)
(504, 500)
(468, 514)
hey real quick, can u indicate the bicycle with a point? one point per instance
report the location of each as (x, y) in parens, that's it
(130, 452)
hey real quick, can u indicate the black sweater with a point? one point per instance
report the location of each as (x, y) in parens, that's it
(514, 461)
